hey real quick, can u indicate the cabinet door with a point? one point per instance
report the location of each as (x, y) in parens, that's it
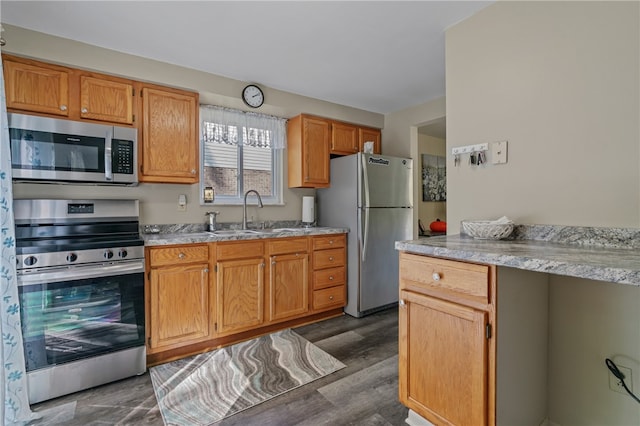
(288, 286)
(36, 88)
(344, 138)
(370, 135)
(240, 286)
(315, 151)
(443, 360)
(179, 304)
(169, 148)
(106, 100)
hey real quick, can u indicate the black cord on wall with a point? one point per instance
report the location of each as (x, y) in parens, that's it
(618, 374)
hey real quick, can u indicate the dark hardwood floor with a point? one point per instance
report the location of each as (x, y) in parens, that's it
(363, 393)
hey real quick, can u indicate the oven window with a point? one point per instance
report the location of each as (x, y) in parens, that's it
(67, 321)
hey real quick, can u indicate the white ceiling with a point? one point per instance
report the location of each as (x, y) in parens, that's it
(379, 56)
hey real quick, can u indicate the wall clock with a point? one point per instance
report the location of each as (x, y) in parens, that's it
(252, 96)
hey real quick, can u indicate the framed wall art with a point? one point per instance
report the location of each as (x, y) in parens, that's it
(434, 178)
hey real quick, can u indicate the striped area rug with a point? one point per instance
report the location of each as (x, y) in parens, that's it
(206, 388)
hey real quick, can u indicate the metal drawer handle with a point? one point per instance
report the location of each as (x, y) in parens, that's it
(330, 277)
(330, 241)
(84, 110)
(436, 276)
(181, 255)
(331, 258)
(205, 270)
(63, 107)
(401, 302)
(330, 297)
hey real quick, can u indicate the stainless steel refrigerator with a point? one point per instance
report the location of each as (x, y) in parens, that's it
(371, 195)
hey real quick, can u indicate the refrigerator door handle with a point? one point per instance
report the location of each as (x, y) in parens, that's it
(365, 207)
(365, 232)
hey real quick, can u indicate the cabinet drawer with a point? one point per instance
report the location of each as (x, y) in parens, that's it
(446, 277)
(288, 245)
(330, 241)
(177, 255)
(240, 250)
(329, 277)
(328, 258)
(332, 297)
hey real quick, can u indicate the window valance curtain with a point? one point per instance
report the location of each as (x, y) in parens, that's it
(223, 125)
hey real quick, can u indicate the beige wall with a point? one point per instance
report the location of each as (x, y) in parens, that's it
(159, 201)
(400, 138)
(428, 211)
(559, 81)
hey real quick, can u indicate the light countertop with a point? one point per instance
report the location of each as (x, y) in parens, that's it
(199, 236)
(604, 254)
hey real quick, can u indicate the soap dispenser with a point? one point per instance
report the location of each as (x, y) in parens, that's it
(211, 222)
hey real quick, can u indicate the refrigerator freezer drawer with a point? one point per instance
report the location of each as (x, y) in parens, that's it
(329, 277)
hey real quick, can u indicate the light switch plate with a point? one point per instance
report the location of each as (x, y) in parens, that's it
(499, 152)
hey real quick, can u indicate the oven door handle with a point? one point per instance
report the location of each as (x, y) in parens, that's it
(81, 272)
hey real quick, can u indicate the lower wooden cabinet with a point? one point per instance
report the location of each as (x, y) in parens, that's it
(179, 297)
(329, 271)
(201, 296)
(240, 281)
(288, 278)
(446, 346)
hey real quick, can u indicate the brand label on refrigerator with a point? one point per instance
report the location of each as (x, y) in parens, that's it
(378, 161)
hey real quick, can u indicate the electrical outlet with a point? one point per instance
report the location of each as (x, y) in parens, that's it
(616, 385)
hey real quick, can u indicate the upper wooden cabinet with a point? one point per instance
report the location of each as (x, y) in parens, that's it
(36, 87)
(366, 134)
(33, 86)
(308, 151)
(169, 135)
(344, 138)
(106, 100)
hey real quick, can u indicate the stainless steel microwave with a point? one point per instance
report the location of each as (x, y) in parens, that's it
(54, 150)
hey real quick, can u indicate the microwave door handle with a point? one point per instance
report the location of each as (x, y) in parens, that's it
(108, 167)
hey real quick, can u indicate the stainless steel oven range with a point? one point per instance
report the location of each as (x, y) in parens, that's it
(80, 273)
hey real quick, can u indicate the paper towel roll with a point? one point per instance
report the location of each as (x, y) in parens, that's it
(308, 214)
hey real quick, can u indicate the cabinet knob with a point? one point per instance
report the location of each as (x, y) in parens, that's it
(205, 270)
(401, 302)
(436, 276)
(181, 255)
(273, 262)
(330, 241)
(193, 171)
(330, 277)
(330, 297)
(84, 110)
(63, 107)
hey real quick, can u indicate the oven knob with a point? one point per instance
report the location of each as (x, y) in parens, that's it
(30, 260)
(122, 253)
(108, 254)
(72, 257)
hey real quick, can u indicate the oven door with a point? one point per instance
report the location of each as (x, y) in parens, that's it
(81, 312)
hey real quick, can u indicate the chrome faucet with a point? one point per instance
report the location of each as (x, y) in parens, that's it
(244, 206)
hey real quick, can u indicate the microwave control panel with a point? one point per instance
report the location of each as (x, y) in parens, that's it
(123, 156)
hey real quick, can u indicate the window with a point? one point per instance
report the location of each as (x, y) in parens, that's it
(241, 151)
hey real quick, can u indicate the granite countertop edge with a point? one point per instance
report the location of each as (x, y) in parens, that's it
(191, 237)
(617, 263)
